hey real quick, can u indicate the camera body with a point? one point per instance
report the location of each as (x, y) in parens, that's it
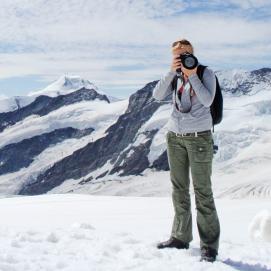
(189, 61)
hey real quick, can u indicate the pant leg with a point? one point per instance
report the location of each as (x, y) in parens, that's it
(179, 175)
(200, 157)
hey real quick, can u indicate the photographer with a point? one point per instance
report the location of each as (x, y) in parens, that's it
(190, 145)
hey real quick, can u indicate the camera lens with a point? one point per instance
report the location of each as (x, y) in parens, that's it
(190, 62)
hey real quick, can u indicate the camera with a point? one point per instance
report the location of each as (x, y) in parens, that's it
(188, 60)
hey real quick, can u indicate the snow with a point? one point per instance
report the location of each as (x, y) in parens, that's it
(159, 121)
(79, 231)
(260, 227)
(242, 164)
(65, 85)
(232, 79)
(2, 97)
(83, 232)
(241, 167)
(96, 114)
(62, 86)
(11, 103)
(85, 114)
(150, 184)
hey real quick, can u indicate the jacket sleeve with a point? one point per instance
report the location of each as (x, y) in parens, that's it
(205, 89)
(163, 87)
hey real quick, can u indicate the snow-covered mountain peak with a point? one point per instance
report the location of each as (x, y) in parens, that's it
(3, 97)
(64, 85)
(237, 81)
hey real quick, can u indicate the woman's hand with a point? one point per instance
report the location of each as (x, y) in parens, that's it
(188, 72)
(176, 63)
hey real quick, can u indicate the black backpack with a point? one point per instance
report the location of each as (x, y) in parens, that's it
(216, 107)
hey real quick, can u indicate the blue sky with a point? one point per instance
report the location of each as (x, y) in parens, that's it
(122, 45)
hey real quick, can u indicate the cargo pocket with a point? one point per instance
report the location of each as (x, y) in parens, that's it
(203, 153)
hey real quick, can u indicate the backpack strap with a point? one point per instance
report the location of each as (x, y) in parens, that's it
(200, 71)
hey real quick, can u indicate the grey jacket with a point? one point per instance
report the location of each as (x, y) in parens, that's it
(199, 118)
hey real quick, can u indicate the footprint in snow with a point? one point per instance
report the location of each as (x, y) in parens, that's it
(52, 238)
(85, 226)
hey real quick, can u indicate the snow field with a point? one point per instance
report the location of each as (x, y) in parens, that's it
(83, 232)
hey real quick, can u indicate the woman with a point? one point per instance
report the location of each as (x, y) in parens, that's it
(190, 145)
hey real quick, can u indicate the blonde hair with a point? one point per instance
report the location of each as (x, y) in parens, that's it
(183, 43)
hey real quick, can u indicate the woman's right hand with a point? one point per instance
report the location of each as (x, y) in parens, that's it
(176, 63)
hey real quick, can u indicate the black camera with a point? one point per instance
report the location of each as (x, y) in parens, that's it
(189, 61)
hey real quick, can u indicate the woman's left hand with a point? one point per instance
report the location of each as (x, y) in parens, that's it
(188, 72)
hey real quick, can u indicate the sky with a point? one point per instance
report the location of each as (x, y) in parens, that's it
(121, 45)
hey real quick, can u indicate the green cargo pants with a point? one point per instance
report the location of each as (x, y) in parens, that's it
(195, 153)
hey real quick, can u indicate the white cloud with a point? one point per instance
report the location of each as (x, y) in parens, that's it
(109, 41)
(247, 4)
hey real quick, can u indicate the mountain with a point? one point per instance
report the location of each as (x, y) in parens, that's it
(112, 149)
(239, 82)
(8, 104)
(62, 86)
(43, 105)
(35, 136)
(29, 148)
(125, 152)
(65, 85)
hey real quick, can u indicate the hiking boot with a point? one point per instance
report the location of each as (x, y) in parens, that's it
(173, 242)
(208, 254)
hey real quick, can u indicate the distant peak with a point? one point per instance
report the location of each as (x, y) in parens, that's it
(71, 82)
(262, 71)
(65, 84)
